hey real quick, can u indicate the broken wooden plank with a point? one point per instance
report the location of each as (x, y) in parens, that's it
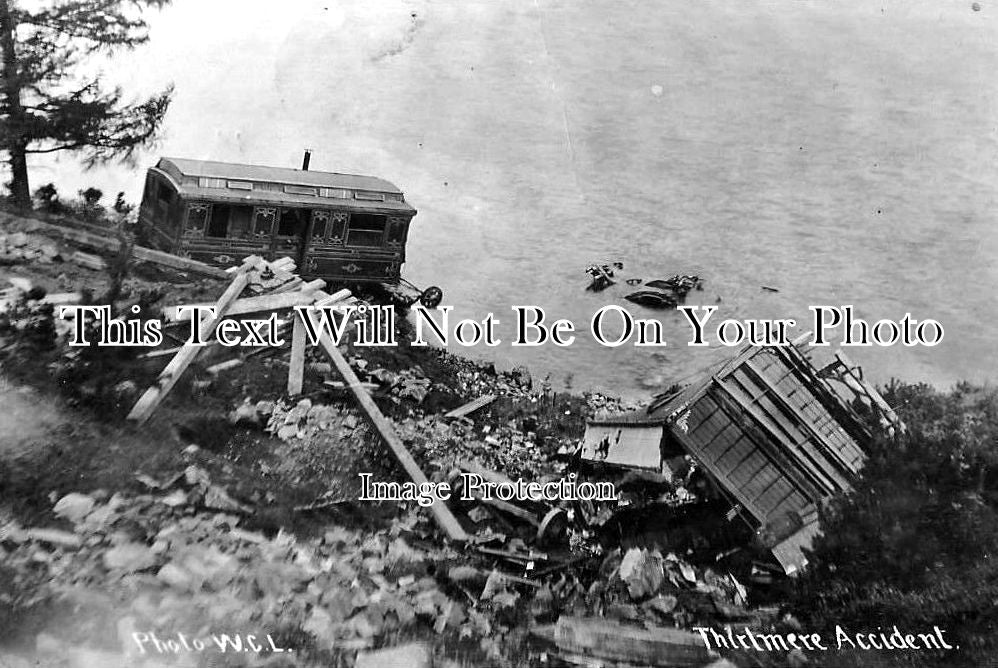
(601, 638)
(88, 260)
(441, 513)
(340, 386)
(514, 510)
(471, 406)
(176, 262)
(285, 263)
(512, 555)
(268, 302)
(59, 298)
(317, 284)
(216, 369)
(152, 398)
(160, 353)
(515, 579)
(293, 284)
(296, 373)
(867, 388)
(328, 300)
(165, 352)
(63, 539)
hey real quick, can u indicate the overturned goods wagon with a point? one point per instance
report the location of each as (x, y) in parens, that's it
(767, 427)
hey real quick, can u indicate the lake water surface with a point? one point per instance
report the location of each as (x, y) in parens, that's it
(844, 153)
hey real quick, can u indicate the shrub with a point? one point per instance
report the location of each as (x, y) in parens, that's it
(48, 199)
(915, 543)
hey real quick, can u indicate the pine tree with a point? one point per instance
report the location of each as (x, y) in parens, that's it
(45, 106)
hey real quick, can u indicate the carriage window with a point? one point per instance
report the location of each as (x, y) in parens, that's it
(197, 214)
(218, 224)
(240, 218)
(292, 222)
(228, 220)
(300, 190)
(366, 229)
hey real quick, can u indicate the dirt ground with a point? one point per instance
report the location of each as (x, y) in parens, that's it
(24, 421)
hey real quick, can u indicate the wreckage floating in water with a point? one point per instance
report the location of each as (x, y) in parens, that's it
(653, 298)
(665, 293)
(602, 275)
(767, 427)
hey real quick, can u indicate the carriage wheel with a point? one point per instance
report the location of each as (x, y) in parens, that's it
(431, 297)
(553, 528)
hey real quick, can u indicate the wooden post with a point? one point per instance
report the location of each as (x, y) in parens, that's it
(441, 513)
(296, 373)
(154, 396)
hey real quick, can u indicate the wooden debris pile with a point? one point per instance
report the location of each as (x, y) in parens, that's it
(277, 289)
(280, 288)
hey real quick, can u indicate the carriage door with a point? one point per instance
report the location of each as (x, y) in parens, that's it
(291, 238)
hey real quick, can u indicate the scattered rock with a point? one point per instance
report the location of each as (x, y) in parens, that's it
(479, 514)
(217, 498)
(177, 497)
(195, 476)
(721, 663)
(176, 577)
(245, 413)
(320, 624)
(129, 558)
(663, 604)
(642, 571)
(74, 507)
(797, 659)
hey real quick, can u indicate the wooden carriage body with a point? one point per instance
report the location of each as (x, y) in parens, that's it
(343, 228)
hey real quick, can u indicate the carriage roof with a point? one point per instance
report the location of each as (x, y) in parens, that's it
(235, 182)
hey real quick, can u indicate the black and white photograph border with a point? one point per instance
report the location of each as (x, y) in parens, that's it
(444, 333)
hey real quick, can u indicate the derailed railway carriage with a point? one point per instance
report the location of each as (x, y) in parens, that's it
(343, 228)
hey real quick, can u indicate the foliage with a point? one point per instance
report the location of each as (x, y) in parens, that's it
(48, 199)
(915, 543)
(87, 206)
(91, 210)
(48, 105)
